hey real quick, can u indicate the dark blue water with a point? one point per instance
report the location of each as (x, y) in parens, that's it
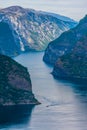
(64, 104)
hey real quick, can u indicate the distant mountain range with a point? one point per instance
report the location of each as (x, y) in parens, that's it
(68, 53)
(24, 30)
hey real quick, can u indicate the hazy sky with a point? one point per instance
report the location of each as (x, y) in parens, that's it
(75, 9)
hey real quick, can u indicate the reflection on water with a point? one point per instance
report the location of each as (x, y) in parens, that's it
(77, 85)
(64, 104)
(10, 115)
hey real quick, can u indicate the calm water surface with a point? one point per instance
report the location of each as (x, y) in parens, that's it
(64, 104)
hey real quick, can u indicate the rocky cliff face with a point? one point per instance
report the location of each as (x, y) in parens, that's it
(65, 43)
(26, 29)
(15, 83)
(73, 65)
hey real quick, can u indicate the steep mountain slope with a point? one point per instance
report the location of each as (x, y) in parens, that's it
(7, 41)
(74, 64)
(15, 83)
(65, 42)
(29, 29)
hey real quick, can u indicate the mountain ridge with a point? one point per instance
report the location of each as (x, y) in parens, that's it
(32, 30)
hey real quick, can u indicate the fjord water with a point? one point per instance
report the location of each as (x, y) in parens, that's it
(64, 104)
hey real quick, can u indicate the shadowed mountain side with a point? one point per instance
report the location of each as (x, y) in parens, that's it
(7, 42)
(73, 66)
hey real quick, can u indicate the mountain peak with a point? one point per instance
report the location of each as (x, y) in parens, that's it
(13, 9)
